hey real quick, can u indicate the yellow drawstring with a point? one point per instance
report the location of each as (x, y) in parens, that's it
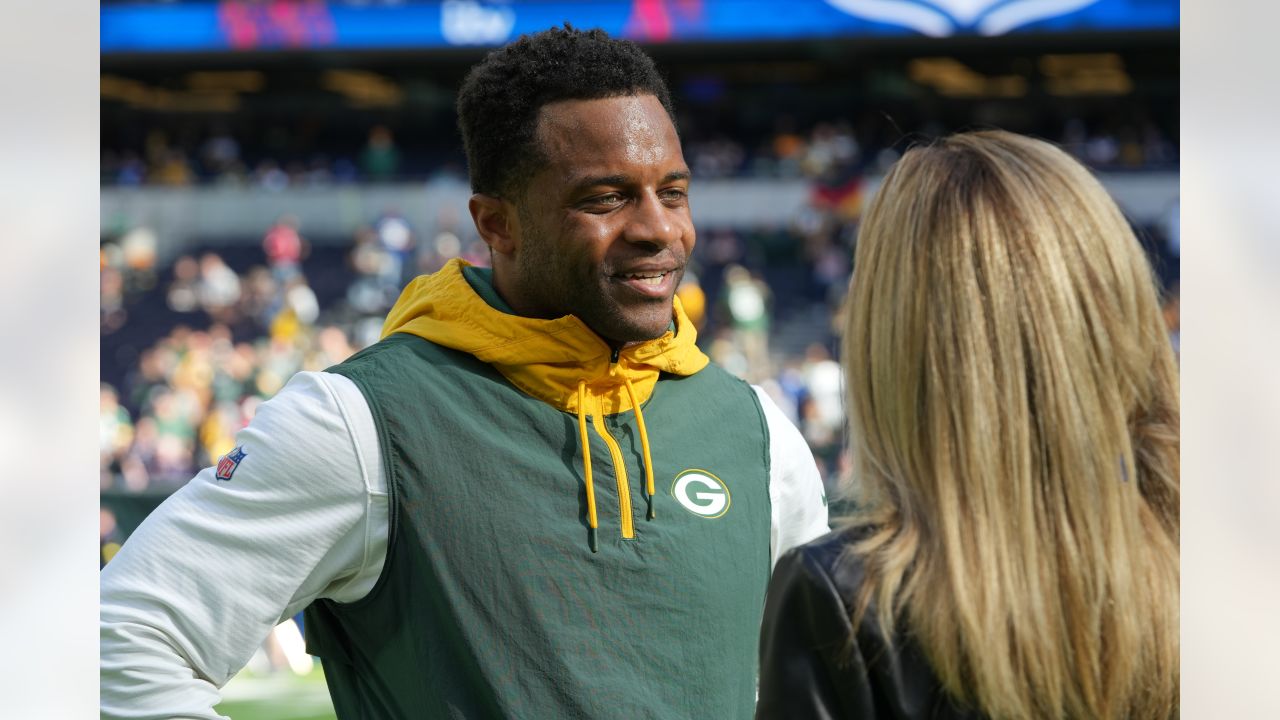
(592, 522)
(644, 444)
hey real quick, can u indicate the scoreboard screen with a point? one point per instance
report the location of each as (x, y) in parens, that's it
(231, 25)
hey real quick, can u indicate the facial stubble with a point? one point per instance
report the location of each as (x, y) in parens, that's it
(559, 289)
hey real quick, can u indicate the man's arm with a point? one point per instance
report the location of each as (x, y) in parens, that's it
(795, 487)
(200, 584)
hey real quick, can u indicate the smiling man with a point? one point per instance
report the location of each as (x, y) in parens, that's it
(535, 497)
(602, 228)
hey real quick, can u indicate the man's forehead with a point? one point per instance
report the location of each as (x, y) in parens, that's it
(604, 120)
(631, 135)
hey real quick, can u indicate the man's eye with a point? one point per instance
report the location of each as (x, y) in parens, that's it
(674, 194)
(606, 201)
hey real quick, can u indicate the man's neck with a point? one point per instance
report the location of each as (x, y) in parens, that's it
(481, 280)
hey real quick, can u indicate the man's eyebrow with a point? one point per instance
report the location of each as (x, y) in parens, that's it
(590, 181)
(582, 183)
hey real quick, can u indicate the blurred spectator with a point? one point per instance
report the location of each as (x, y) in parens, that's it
(139, 463)
(693, 299)
(268, 176)
(715, 158)
(111, 312)
(822, 410)
(726, 351)
(109, 537)
(173, 169)
(150, 374)
(396, 238)
(217, 432)
(184, 291)
(130, 170)
(368, 259)
(380, 159)
(300, 300)
(221, 151)
(261, 296)
(791, 386)
(746, 300)
(829, 147)
(173, 414)
(319, 172)
(115, 434)
(788, 147)
(219, 287)
(447, 246)
(330, 348)
(433, 255)
(284, 248)
(234, 373)
(832, 267)
(1101, 150)
(138, 251)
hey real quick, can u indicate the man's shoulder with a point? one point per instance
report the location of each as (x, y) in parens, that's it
(716, 377)
(714, 389)
(387, 348)
(396, 353)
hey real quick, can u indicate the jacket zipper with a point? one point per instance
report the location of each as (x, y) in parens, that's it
(620, 469)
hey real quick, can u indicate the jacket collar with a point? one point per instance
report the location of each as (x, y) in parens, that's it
(544, 358)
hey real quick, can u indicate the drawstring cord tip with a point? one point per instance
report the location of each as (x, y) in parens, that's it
(651, 515)
(591, 540)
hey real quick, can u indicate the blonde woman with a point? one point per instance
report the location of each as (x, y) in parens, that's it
(1013, 404)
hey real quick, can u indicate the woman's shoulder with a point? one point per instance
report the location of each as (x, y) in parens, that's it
(892, 662)
(832, 558)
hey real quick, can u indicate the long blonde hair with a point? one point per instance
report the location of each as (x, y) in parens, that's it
(1013, 409)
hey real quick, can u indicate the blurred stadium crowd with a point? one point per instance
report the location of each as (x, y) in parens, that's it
(211, 154)
(191, 349)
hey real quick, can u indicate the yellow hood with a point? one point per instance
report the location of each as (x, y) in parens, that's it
(544, 358)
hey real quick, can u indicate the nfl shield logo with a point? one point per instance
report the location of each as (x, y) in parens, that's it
(228, 463)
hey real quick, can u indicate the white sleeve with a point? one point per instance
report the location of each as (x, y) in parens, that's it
(204, 579)
(795, 488)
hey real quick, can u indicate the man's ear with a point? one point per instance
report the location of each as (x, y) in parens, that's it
(496, 222)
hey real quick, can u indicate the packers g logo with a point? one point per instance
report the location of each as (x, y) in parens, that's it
(701, 493)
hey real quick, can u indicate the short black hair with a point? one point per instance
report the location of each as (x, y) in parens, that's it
(500, 98)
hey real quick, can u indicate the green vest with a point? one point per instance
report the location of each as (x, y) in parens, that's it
(491, 603)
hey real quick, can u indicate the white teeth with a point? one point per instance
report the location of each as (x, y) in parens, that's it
(649, 279)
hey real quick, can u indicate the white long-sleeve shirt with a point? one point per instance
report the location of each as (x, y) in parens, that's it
(200, 584)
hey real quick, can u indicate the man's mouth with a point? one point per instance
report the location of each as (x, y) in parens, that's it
(647, 278)
(648, 283)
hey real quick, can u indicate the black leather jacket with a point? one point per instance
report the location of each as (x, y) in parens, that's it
(812, 665)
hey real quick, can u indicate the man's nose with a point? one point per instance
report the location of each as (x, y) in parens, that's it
(654, 223)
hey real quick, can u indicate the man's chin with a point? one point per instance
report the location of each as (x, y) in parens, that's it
(628, 328)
